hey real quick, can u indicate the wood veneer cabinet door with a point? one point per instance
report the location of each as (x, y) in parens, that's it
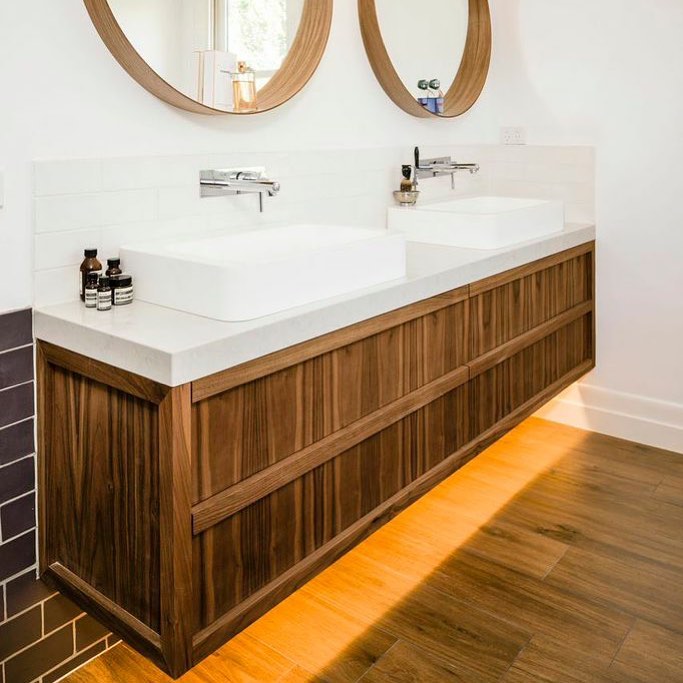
(246, 429)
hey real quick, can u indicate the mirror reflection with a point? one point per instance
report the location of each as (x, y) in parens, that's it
(426, 42)
(218, 52)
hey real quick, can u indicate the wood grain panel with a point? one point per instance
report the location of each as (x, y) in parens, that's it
(529, 268)
(118, 379)
(242, 554)
(248, 372)
(508, 385)
(508, 310)
(235, 498)
(252, 427)
(175, 474)
(100, 480)
(108, 612)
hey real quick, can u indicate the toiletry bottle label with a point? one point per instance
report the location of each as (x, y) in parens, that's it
(91, 298)
(104, 301)
(123, 296)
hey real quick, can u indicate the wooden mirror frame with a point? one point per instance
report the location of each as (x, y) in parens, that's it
(469, 81)
(297, 68)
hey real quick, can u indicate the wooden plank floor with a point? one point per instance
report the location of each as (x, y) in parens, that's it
(557, 555)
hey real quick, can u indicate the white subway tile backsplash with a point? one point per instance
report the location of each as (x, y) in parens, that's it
(67, 177)
(56, 286)
(128, 206)
(111, 202)
(151, 172)
(57, 249)
(75, 211)
(68, 212)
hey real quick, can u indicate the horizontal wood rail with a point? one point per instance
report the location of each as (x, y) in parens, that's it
(140, 387)
(280, 360)
(231, 623)
(529, 269)
(229, 502)
(514, 346)
(108, 612)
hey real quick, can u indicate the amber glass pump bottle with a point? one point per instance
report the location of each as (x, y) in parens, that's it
(90, 265)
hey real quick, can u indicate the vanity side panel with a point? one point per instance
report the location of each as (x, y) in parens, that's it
(99, 452)
(251, 427)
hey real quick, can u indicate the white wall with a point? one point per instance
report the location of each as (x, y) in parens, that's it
(610, 73)
(63, 96)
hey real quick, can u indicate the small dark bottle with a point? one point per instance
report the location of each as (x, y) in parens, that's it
(91, 287)
(113, 267)
(104, 295)
(90, 265)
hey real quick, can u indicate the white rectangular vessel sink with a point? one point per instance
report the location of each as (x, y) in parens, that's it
(479, 222)
(251, 274)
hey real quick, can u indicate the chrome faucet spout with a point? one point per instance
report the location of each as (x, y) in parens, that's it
(230, 182)
(440, 166)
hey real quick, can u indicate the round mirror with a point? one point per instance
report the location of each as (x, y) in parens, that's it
(431, 57)
(216, 56)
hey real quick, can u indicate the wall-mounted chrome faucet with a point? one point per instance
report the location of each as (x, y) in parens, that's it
(231, 181)
(433, 168)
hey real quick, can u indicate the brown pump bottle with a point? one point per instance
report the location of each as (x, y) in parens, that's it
(90, 265)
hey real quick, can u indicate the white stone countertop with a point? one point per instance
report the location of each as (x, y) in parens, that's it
(175, 348)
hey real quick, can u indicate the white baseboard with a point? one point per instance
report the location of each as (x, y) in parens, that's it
(626, 416)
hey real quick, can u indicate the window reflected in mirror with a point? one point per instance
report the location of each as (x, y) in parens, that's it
(220, 53)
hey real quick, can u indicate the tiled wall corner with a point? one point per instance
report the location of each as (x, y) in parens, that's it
(43, 636)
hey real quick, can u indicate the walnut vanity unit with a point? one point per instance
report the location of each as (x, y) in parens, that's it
(185, 492)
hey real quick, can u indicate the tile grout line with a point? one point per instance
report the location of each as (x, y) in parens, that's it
(15, 499)
(16, 386)
(14, 462)
(18, 422)
(18, 536)
(26, 610)
(16, 348)
(42, 639)
(102, 640)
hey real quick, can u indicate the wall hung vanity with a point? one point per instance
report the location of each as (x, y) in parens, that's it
(193, 473)
(216, 56)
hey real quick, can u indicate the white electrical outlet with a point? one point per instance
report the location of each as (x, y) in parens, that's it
(513, 135)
